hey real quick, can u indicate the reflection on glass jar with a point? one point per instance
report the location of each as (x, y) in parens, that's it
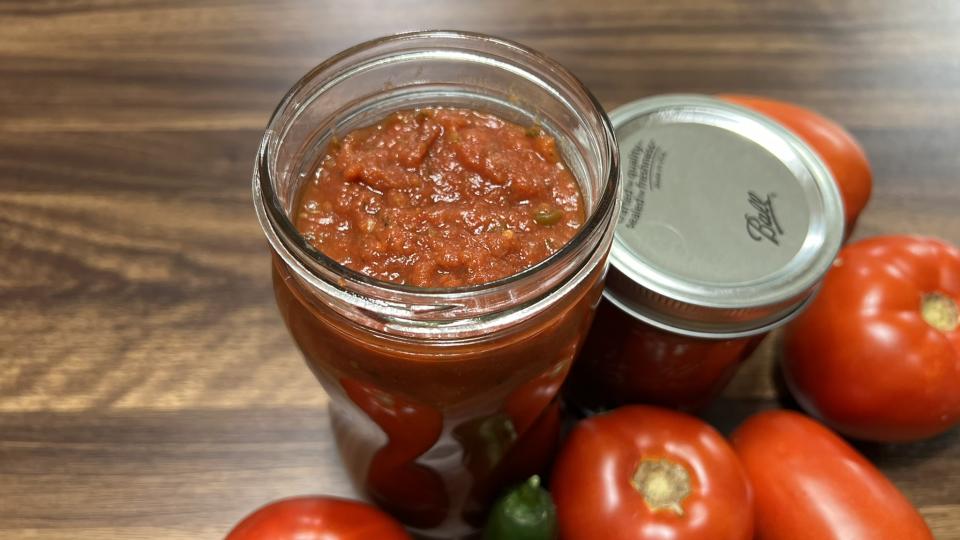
(395, 481)
(439, 397)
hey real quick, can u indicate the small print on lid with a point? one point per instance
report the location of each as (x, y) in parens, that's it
(728, 220)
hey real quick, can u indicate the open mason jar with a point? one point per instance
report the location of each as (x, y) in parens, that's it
(439, 397)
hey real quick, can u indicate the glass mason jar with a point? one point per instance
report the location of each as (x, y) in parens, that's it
(626, 360)
(729, 223)
(439, 397)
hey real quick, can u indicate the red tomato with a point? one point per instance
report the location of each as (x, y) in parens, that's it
(642, 472)
(838, 149)
(318, 518)
(808, 483)
(877, 354)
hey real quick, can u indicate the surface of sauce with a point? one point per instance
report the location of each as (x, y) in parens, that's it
(441, 197)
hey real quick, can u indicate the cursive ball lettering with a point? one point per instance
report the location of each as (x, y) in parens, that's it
(763, 225)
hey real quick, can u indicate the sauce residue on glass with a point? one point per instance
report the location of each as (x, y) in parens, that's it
(441, 197)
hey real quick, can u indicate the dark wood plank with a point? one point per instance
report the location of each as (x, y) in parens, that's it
(157, 474)
(148, 388)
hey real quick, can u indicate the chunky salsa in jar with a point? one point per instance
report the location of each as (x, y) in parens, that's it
(437, 264)
(625, 360)
(441, 197)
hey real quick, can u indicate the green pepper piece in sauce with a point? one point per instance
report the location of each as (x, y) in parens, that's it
(548, 216)
(526, 512)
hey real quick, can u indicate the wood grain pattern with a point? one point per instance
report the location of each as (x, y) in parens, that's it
(147, 386)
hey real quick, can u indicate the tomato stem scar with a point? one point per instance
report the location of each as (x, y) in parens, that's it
(940, 311)
(664, 484)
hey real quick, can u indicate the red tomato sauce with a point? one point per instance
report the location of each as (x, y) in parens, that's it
(625, 360)
(441, 197)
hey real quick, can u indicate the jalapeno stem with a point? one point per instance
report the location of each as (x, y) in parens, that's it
(529, 491)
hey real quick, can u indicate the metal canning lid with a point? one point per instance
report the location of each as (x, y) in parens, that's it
(728, 223)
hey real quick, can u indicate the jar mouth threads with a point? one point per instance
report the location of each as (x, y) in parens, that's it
(728, 223)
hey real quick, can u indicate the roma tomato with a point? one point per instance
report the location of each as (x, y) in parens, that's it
(877, 354)
(318, 518)
(809, 483)
(645, 473)
(839, 150)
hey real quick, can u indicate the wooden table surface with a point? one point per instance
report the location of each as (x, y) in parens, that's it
(148, 388)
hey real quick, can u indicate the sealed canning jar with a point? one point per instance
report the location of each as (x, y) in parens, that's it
(439, 396)
(728, 223)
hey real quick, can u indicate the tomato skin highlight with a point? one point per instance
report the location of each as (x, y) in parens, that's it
(842, 153)
(318, 518)
(647, 473)
(864, 359)
(810, 484)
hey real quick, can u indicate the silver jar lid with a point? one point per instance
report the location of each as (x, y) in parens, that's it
(728, 223)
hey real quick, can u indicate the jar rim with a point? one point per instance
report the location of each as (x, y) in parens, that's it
(274, 219)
